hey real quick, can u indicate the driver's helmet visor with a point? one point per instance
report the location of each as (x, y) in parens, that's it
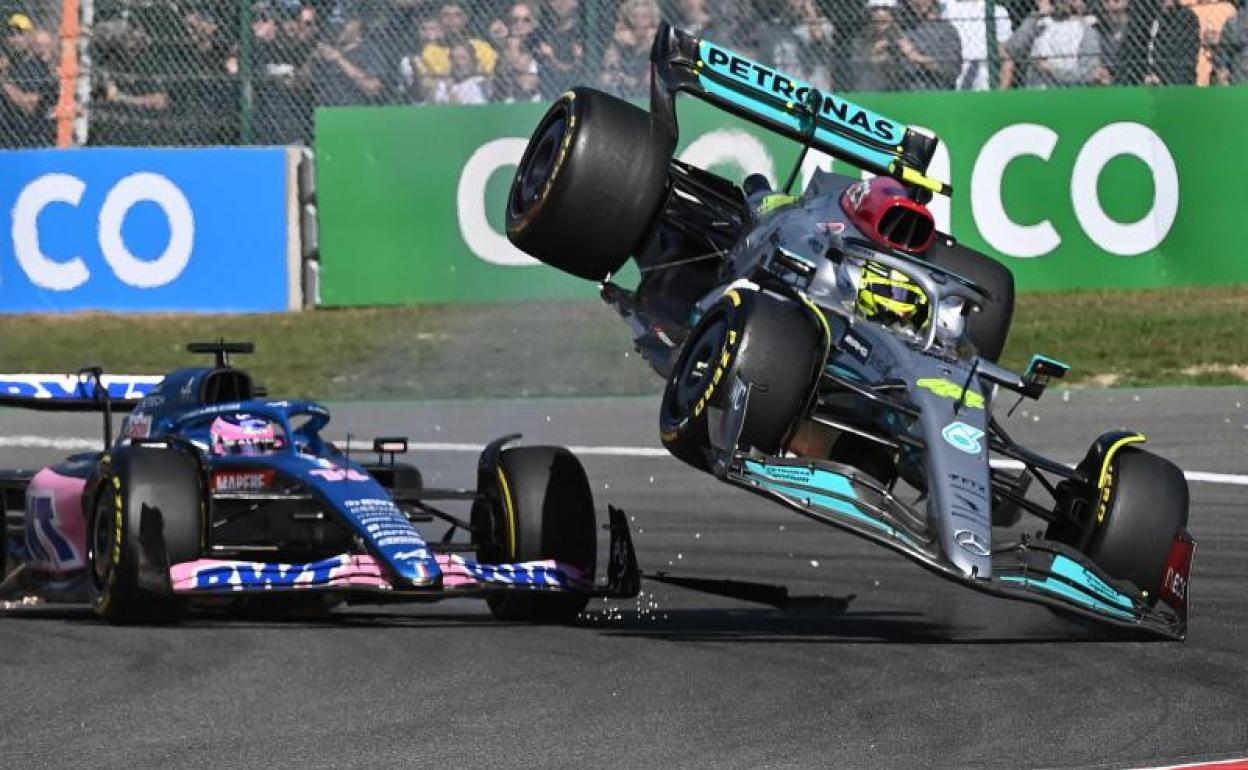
(889, 296)
(246, 434)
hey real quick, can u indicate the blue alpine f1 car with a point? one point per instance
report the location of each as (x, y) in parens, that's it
(215, 493)
(831, 350)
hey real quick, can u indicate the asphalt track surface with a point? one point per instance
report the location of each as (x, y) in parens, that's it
(878, 664)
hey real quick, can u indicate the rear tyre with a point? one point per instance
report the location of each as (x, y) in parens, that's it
(767, 341)
(1147, 504)
(990, 327)
(147, 515)
(544, 510)
(589, 184)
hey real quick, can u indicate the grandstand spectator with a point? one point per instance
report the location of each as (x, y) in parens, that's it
(1213, 16)
(466, 84)
(204, 84)
(734, 23)
(420, 72)
(561, 48)
(352, 70)
(968, 17)
(929, 52)
(517, 77)
(626, 62)
(796, 39)
(1162, 45)
(1060, 47)
(281, 46)
(455, 26)
(690, 16)
(1113, 21)
(1231, 58)
(130, 107)
(522, 26)
(873, 54)
(28, 88)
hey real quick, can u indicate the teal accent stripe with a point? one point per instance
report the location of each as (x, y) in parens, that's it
(1076, 573)
(876, 157)
(758, 107)
(821, 479)
(843, 372)
(1039, 357)
(1069, 592)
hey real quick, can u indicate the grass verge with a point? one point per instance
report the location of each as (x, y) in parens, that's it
(1171, 337)
(1196, 336)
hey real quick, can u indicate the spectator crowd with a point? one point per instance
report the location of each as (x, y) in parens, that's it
(180, 72)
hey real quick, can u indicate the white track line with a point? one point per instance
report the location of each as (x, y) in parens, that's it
(1224, 764)
(73, 444)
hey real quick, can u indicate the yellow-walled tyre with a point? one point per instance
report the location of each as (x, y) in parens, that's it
(590, 184)
(544, 509)
(1146, 502)
(768, 341)
(147, 515)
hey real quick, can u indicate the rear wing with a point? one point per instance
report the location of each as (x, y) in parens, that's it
(786, 105)
(87, 391)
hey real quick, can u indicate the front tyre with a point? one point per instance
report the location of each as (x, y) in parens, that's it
(147, 515)
(1143, 506)
(589, 185)
(769, 342)
(543, 510)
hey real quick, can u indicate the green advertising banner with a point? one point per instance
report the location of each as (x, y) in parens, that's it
(1081, 188)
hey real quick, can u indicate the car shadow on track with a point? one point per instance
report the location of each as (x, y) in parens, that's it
(212, 619)
(805, 620)
(807, 625)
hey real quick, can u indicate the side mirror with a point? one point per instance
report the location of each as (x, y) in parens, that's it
(390, 445)
(1039, 372)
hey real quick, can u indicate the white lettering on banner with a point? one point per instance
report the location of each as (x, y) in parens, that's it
(730, 145)
(995, 226)
(1124, 239)
(68, 274)
(1145, 234)
(34, 198)
(147, 273)
(482, 239)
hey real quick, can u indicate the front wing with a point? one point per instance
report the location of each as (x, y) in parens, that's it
(1032, 569)
(455, 575)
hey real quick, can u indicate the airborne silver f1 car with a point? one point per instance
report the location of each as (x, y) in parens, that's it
(821, 349)
(217, 494)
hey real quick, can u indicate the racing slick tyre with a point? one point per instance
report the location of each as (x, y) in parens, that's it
(148, 514)
(991, 325)
(589, 184)
(767, 341)
(546, 511)
(1143, 506)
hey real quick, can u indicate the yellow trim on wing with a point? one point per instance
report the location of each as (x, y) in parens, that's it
(511, 515)
(911, 176)
(1138, 438)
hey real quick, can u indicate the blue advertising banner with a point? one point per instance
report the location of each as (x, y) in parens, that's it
(122, 229)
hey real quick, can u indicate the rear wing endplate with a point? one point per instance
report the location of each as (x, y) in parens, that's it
(786, 105)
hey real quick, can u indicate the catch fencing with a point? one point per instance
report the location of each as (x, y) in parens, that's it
(207, 72)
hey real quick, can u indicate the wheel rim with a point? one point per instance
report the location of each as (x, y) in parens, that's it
(696, 366)
(103, 540)
(539, 163)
